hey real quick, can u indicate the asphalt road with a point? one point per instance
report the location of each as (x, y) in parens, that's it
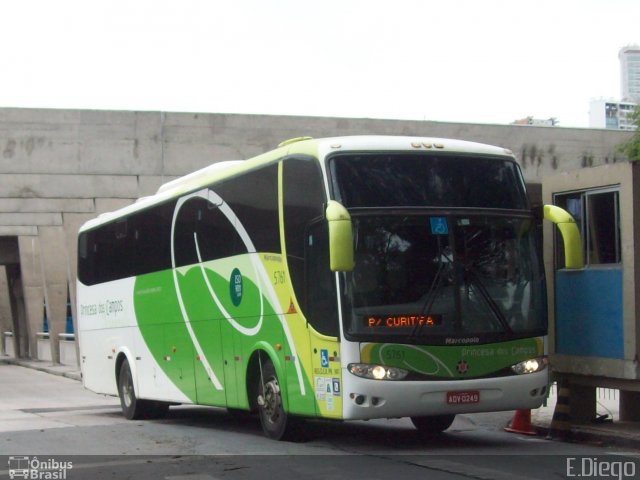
(56, 427)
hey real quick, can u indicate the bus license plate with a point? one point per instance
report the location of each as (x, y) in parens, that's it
(462, 398)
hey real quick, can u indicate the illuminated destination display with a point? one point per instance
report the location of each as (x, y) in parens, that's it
(402, 321)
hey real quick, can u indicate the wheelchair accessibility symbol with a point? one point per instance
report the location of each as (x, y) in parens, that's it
(324, 358)
(439, 226)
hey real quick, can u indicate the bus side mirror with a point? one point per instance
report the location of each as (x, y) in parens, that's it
(340, 237)
(570, 235)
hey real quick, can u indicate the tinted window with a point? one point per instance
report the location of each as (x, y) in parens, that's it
(303, 200)
(474, 274)
(141, 242)
(410, 180)
(202, 228)
(151, 232)
(321, 307)
(253, 197)
(184, 246)
(135, 245)
(217, 236)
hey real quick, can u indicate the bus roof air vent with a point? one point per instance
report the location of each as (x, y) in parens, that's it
(293, 140)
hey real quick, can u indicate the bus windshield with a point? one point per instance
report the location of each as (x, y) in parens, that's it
(457, 266)
(410, 180)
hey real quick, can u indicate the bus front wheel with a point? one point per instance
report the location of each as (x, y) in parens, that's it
(432, 425)
(276, 423)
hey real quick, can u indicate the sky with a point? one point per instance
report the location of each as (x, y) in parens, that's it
(475, 61)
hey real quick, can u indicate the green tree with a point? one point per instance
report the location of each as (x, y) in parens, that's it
(631, 148)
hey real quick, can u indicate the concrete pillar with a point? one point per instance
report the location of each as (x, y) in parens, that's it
(33, 293)
(18, 314)
(629, 406)
(582, 403)
(5, 308)
(56, 278)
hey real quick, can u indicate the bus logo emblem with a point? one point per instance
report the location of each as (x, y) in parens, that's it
(463, 367)
(235, 287)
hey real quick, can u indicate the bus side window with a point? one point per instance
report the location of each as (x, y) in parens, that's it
(113, 252)
(217, 237)
(86, 258)
(253, 197)
(304, 200)
(152, 235)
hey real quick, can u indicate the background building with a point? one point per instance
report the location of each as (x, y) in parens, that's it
(630, 73)
(611, 114)
(614, 114)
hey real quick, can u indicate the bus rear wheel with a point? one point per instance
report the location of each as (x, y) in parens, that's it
(132, 407)
(432, 425)
(276, 423)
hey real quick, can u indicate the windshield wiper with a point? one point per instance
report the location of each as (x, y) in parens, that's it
(431, 294)
(484, 293)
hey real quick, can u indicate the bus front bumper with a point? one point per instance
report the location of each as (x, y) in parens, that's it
(367, 399)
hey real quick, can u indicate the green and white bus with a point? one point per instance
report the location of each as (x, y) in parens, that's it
(341, 278)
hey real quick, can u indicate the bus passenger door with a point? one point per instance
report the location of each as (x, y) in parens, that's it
(313, 316)
(321, 311)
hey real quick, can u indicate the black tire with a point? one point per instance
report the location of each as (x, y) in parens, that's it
(432, 425)
(132, 407)
(276, 423)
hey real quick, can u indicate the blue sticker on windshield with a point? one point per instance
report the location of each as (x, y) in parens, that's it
(439, 226)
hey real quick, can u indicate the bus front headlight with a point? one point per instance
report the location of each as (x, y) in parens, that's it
(532, 365)
(377, 372)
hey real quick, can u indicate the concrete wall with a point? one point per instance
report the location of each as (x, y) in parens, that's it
(62, 167)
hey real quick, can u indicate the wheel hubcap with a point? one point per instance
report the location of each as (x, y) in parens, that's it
(272, 402)
(126, 393)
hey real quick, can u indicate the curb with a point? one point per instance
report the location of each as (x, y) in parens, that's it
(52, 369)
(586, 434)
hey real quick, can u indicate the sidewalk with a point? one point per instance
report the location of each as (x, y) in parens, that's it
(48, 367)
(609, 431)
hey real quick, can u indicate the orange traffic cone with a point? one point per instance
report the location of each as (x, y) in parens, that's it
(521, 423)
